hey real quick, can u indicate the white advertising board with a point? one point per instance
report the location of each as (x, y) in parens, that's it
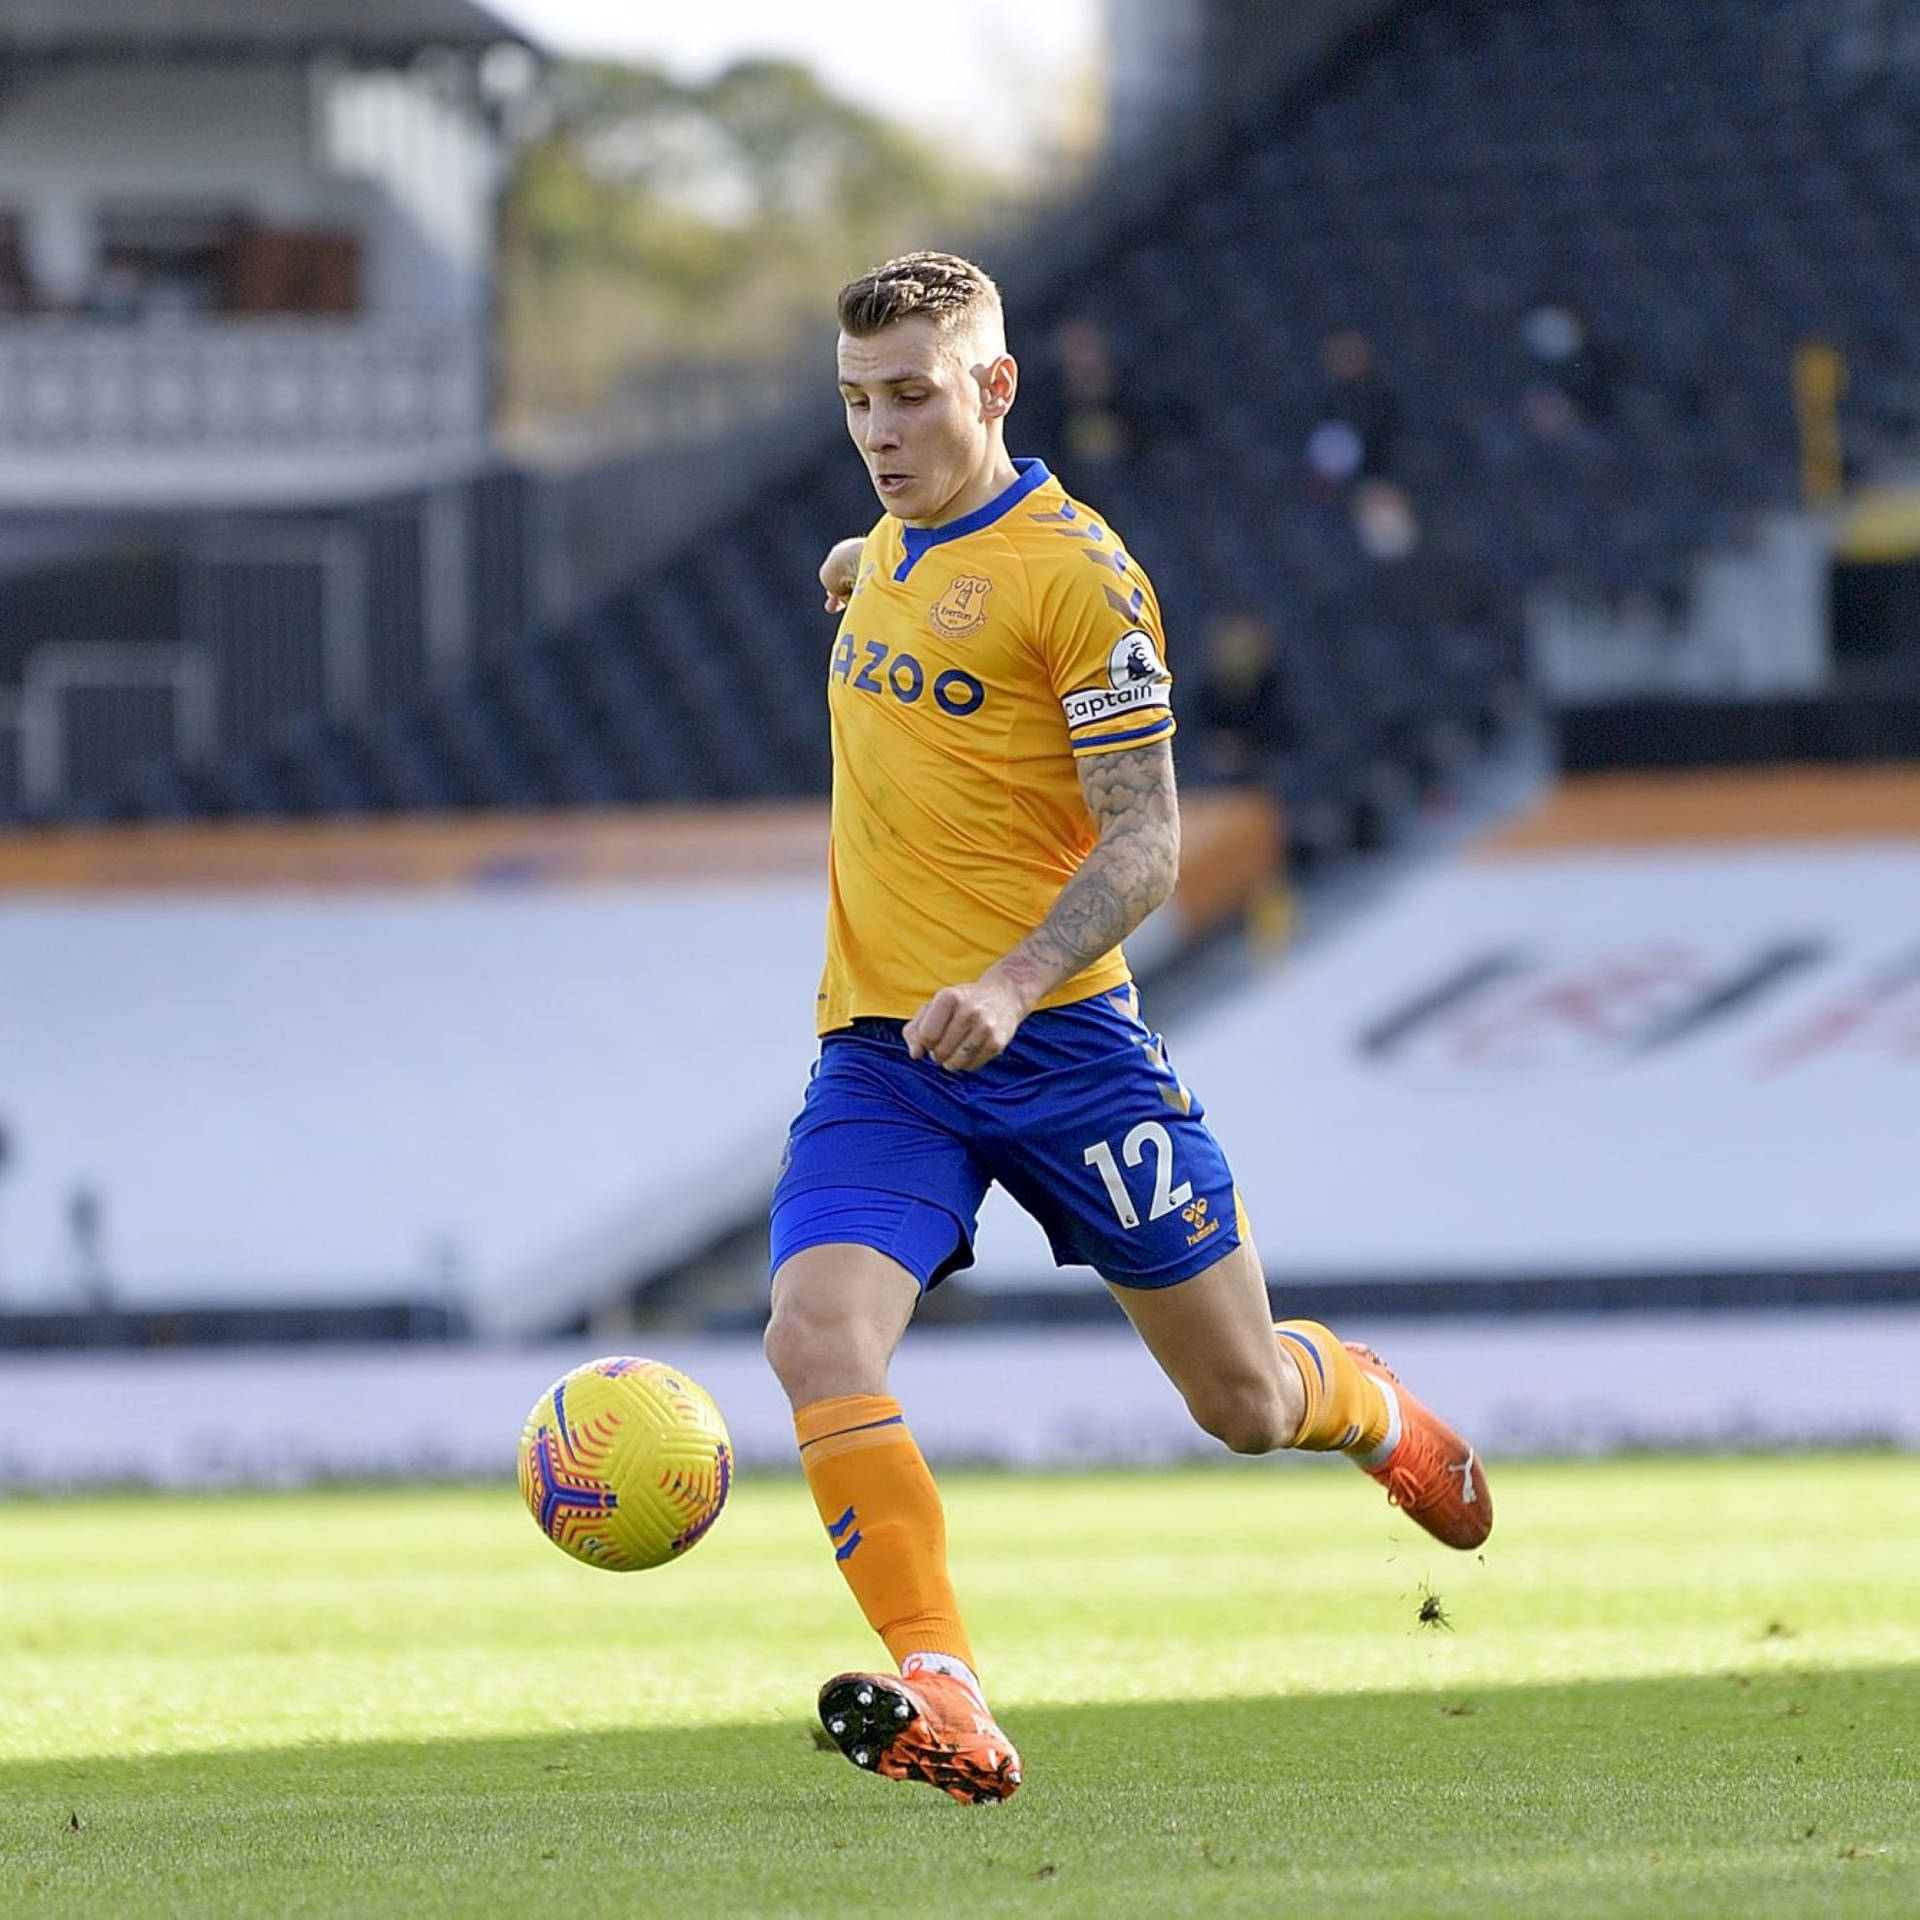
(1693, 1060)
(1038, 1398)
(1690, 1061)
(312, 1096)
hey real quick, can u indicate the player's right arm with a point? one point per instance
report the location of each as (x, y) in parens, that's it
(838, 572)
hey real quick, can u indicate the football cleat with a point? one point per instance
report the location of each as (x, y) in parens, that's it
(929, 1728)
(1432, 1475)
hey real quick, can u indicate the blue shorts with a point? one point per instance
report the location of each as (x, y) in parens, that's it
(1082, 1120)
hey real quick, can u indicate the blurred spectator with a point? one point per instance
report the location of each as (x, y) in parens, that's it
(1428, 573)
(1819, 382)
(1091, 429)
(1359, 415)
(1570, 383)
(1240, 715)
(1385, 521)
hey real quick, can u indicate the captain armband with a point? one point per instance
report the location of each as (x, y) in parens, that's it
(1129, 706)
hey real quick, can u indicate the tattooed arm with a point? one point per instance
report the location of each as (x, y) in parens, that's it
(1129, 872)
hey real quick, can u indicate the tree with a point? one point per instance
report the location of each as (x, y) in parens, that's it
(656, 229)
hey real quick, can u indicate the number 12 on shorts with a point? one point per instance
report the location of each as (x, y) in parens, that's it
(1166, 1196)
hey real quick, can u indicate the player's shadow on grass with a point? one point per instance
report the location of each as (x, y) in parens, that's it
(1777, 1792)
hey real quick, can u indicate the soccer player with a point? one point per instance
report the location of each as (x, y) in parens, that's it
(1003, 817)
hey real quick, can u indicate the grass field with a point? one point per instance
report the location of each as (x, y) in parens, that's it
(1687, 1688)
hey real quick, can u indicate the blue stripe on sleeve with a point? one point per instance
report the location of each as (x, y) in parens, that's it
(1154, 732)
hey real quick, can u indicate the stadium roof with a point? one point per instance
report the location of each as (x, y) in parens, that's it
(270, 29)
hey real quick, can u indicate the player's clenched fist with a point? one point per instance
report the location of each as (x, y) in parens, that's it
(964, 1027)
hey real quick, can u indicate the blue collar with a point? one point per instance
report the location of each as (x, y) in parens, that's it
(917, 540)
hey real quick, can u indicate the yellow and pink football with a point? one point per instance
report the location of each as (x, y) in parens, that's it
(625, 1463)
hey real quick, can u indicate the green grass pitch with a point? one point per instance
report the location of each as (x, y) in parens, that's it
(1670, 1687)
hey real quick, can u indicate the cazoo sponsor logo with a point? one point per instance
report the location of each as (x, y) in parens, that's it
(870, 666)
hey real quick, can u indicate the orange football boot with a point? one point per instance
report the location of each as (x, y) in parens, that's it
(1431, 1474)
(929, 1728)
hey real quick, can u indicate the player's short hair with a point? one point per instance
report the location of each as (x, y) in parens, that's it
(953, 293)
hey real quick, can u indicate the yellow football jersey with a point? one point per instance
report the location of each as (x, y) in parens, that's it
(975, 662)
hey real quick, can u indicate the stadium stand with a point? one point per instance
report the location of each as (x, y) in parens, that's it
(1555, 263)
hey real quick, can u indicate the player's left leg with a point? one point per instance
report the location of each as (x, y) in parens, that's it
(1213, 1337)
(1110, 1151)
(1257, 1386)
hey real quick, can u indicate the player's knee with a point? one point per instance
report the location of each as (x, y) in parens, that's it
(794, 1344)
(1245, 1417)
(816, 1352)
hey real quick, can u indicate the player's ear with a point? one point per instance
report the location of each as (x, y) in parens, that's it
(999, 380)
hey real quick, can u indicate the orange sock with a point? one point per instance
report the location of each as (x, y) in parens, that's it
(883, 1514)
(1346, 1411)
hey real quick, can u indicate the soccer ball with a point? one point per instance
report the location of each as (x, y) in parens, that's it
(625, 1463)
